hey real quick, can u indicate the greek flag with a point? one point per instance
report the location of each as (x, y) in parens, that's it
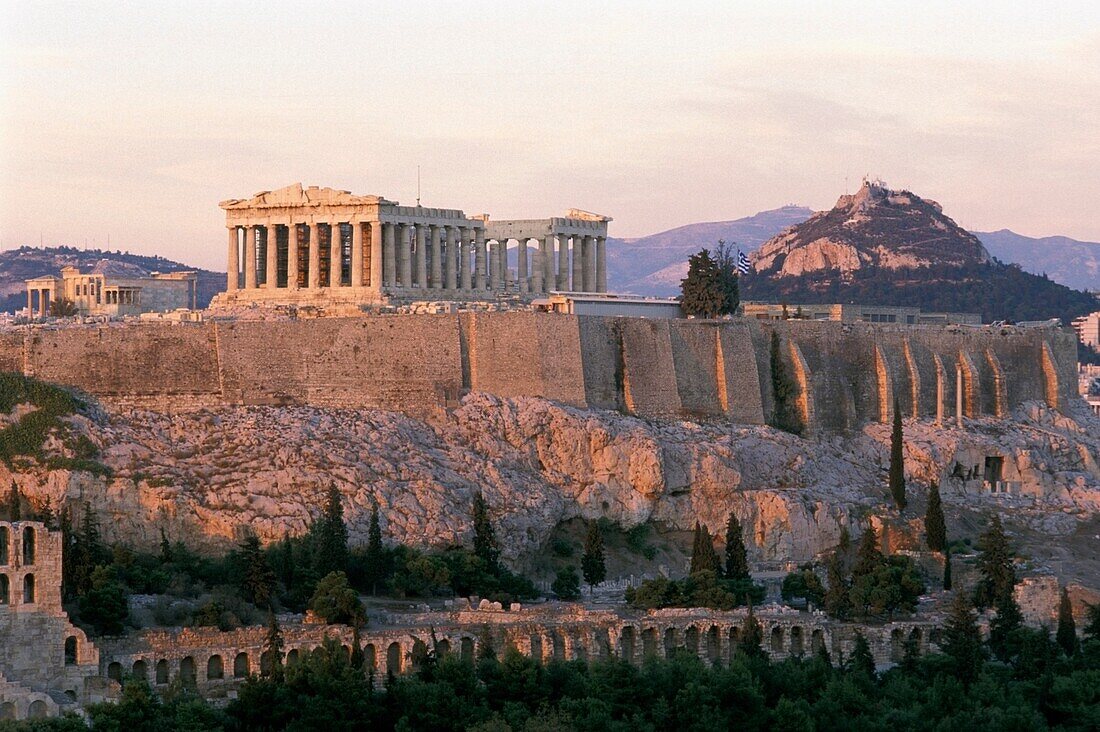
(742, 262)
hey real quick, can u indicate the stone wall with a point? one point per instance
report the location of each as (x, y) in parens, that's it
(654, 368)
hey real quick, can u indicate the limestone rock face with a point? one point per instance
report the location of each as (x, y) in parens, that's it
(205, 476)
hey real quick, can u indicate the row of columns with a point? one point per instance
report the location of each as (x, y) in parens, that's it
(45, 296)
(425, 256)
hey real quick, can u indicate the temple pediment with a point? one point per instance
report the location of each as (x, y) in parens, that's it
(576, 213)
(296, 195)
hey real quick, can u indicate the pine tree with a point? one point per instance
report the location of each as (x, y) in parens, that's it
(273, 645)
(592, 561)
(15, 512)
(862, 660)
(934, 526)
(737, 563)
(963, 640)
(701, 292)
(703, 556)
(947, 568)
(285, 563)
(485, 538)
(331, 536)
(868, 557)
(1092, 627)
(375, 557)
(837, 603)
(1067, 627)
(358, 658)
(726, 261)
(257, 577)
(995, 565)
(751, 642)
(897, 460)
(1004, 625)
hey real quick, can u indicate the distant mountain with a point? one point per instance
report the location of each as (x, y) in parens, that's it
(886, 247)
(1073, 263)
(655, 264)
(19, 265)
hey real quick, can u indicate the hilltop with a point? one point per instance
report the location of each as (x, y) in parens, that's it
(886, 247)
(22, 264)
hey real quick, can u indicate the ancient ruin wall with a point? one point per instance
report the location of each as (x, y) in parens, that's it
(652, 368)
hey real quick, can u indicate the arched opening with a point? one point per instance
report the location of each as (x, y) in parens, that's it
(796, 641)
(345, 648)
(714, 644)
(370, 657)
(28, 545)
(897, 645)
(215, 668)
(114, 671)
(187, 670)
(580, 650)
(467, 649)
(393, 658)
(162, 671)
(419, 654)
(777, 639)
(70, 694)
(7, 710)
(559, 646)
(240, 666)
(735, 638)
(267, 660)
(603, 644)
(140, 670)
(671, 642)
(70, 651)
(649, 643)
(37, 710)
(535, 644)
(5, 589)
(442, 648)
(626, 644)
(817, 641)
(3, 544)
(28, 589)
(691, 640)
(934, 636)
(915, 638)
(292, 657)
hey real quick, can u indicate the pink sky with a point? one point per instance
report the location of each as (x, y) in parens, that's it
(133, 121)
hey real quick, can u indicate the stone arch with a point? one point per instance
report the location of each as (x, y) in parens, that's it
(292, 656)
(70, 650)
(649, 643)
(240, 665)
(626, 643)
(580, 647)
(29, 548)
(4, 541)
(215, 668)
(797, 647)
(114, 671)
(37, 710)
(162, 671)
(393, 658)
(442, 648)
(817, 640)
(691, 640)
(714, 644)
(140, 670)
(28, 589)
(7, 711)
(187, 670)
(559, 645)
(603, 644)
(5, 590)
(419, 654)
(735, 638)
(267, 660)
(466, 648)
(897, 644)
(370, 657)
(777, 639)
(535, 644)
(671, 641)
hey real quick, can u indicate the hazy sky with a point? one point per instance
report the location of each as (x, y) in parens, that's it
(135, 119)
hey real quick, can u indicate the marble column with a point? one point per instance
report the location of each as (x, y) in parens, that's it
(589, 260)
(468, 244)
(292, 256)
(563, 262)
(422, 256)
(335, 255)
(404, 254)
(536, 267)
(356, 253)
(233, 267)
(577, 284)
(521, 264)
(250, 257)
(271, 247)
(437, 258)
(314, 256)
(548, 263)
(481, 262)
(601, 264)
(375, 255)
(389, 254)
(449, 263)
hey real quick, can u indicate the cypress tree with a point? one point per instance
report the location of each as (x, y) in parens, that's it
(935, 528)
(751, 642)
(1092, 627)
(1004, 625)
(485, 538)
(868, 556)
(703, 556)
(862, 660)
(897, 460)
(995, 565)
(837, 603)
(375, 556)
(737, 563)
(257, 577)
(273, 645)
(1067, 627)
(947, 568)
(15, 512)
(701, 292)
(331, 536)
(592, 561)
(963, 640)
(358, 658)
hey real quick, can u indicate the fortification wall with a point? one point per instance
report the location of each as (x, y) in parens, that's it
(847, 374)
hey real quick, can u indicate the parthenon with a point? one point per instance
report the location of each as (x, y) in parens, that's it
(301, 245)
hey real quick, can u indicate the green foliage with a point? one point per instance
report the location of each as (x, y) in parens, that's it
(998, 576)
(637, 542)
(274, 644)
(485, 538)
(803, 584)
(935, 528)
(1005, 626)
(862, 661)
(784, 391)
(330, 537)
(837, 603)
(139, 710)
(1067, 627)
(725, 258)
(868, 557)
(737, 562)
(892, 587)
(417, 574)
(593, 566)
(105, 606)
(15, 503)
(336, 602)
(962, 640)
(947, 568)
(257, 583)
(374, 560)
(897, 460)
(701, 589)
(1092, 626)
(751, 642)
(567, 584)
(703, 556)
(27, 436)
(705, 292)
